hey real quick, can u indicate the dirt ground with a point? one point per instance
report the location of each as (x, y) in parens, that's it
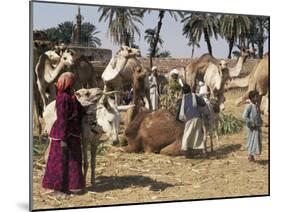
(129, 178)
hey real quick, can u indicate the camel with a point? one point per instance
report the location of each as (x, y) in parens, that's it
(215, 78)
(40, 45)
(84, 72)
(141, 94)
(196, 69)
(47, 74)
(118, 74)
(160, 132)
(256, 80)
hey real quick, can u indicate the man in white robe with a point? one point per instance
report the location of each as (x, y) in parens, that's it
(154, 96)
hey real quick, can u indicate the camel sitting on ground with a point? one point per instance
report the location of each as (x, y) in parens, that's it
(256, 80)
(160, 132)
(47, 74)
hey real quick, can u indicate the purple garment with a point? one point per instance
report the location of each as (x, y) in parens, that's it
(68, 175)
(69, 113)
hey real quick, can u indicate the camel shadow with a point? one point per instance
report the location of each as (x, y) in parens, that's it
(222, 152)
(106, 183)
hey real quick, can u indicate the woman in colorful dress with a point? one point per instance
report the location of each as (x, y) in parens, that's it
(64, 166)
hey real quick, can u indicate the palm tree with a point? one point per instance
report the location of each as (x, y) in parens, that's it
(88, 35)
(196, 24)
(174, 15)
(65, 31)
(193, 43)
(234, 28)
(121, 23)
(164, 53)
(150, 36)
(258, 32)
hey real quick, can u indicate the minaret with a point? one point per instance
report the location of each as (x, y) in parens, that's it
(78, 25)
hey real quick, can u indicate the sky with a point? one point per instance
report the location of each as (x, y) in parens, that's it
(46, 15)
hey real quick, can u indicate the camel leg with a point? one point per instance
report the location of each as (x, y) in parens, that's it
(93, 162)
(205, 134)
(42, 91)
(36, 119)
(133, 146)
(85, 158)
(173, 149)
(211, 140)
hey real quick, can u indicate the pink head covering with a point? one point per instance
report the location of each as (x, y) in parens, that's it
(65, 81)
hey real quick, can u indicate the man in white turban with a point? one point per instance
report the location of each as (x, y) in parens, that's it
(154, 96)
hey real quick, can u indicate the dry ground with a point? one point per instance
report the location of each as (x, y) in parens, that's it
(128, 178)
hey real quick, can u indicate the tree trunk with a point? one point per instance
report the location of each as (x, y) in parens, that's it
(260, 47)
(207, 39)
(260, 39)
(161, 16)
(192, 51)
(253, 48)
(230, 45)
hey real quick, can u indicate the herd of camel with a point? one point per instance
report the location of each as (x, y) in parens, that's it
(98, 92)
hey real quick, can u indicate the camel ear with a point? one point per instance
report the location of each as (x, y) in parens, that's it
(77, 94)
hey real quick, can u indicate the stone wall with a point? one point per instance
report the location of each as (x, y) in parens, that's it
(167, 64)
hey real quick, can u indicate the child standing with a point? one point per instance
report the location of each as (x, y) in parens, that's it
(253, 122)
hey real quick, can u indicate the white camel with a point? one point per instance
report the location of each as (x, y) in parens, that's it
(47, 74)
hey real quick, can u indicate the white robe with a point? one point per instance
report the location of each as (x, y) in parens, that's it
(154, 96)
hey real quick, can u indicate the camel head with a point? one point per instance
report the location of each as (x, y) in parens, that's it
(118, 62)
(128, 52)
(223, 64)
(67, 57)
(247, 52)
(103, 108)
(140, 73)
(88, 96)
(53, 56)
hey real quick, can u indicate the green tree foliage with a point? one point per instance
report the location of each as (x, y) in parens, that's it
(234, 28)
(62, 34)
(258, 33)
(122, 23)
(198, 24)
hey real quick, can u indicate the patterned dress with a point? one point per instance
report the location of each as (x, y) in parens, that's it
(64, 168)
(253, 122)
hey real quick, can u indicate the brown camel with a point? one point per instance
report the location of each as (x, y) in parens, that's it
(196, 69)
(141, 94)
(257, 80)
(84, 72)
(160, 132)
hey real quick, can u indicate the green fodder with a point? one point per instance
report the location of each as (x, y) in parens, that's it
(229, 124)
